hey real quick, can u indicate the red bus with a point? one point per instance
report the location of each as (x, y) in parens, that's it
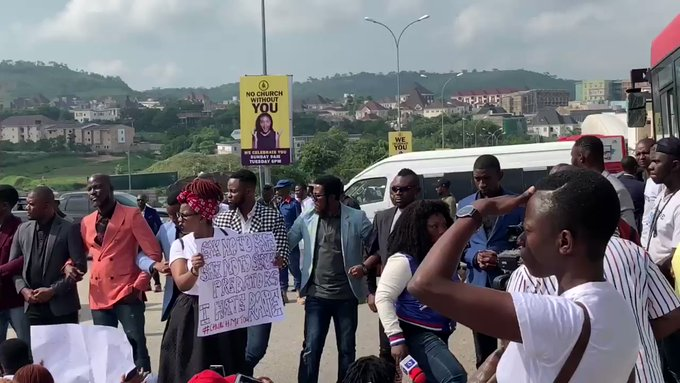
(665, 80)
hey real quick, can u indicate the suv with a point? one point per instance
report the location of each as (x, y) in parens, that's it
(77, 204)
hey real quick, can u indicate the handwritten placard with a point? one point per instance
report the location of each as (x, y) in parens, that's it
(239, 284)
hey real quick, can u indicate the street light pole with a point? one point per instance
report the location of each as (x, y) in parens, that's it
(266, 172)
(443, 107)
(397, 40)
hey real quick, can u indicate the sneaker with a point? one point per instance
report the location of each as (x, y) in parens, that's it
(158, 288)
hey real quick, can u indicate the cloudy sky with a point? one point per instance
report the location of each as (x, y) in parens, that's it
(165, 43)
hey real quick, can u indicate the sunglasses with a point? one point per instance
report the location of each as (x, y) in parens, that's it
(402, 189)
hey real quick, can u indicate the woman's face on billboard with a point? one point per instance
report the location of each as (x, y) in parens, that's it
(265, 124)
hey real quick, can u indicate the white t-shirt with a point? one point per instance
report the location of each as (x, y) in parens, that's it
(550, 327)
(664, 236)
(190, 249)
(652, 189)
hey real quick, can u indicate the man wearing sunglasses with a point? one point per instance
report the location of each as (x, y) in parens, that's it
(490, 240)
(404, 189)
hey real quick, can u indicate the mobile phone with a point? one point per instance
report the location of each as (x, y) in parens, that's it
(218, 368)
(245, 379)
(134, 372)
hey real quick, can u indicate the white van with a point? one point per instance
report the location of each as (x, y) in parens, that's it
(522, 166)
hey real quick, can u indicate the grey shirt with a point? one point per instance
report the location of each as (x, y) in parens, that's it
(625, 200)
(329, 279)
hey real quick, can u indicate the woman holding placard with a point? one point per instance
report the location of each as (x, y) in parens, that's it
(183, 353)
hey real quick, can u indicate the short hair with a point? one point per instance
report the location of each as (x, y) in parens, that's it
(487, 162)
(629, 164)
(245, 176)
(583, 202)
(332, 185)
(406, 172)
(561, 167)
(105, 178)
(592, 147)
(14, 354)
(44, 193)
(33, 373)
(302, 185)
(409, 235)
(9, 195)
(370, 369)
(172, 198)
(647, 142)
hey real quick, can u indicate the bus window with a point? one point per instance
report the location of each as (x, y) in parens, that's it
(366, 191)
(461, 184)
(531, 176)
(512, 180)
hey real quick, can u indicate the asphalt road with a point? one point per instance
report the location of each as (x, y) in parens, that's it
(281, 361)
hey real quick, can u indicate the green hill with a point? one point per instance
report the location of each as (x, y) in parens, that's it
(189, 164)
(29, 79)
(384, 85)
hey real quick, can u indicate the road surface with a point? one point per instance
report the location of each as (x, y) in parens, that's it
(281, 361)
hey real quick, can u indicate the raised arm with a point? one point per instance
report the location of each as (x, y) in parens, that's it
(487, 311)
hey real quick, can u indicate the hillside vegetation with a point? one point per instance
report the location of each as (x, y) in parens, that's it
(29, 79)
(189, 164)
(384, 85)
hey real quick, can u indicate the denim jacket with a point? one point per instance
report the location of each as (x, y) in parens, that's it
(497, 241)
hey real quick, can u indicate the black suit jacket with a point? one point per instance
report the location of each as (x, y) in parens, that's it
(63, 243)
(382, 225)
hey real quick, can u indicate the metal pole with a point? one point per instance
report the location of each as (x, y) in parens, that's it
(398, 90)
(397, 40)
(129, 173)
(266, 170)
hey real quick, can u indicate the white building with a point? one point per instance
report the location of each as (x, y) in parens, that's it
(231, 148)
(96, 114)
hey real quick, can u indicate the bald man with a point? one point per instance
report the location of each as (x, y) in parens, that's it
(46, 242)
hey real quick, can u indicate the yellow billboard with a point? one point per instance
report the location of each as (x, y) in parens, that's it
(266, 120)
(400, 142)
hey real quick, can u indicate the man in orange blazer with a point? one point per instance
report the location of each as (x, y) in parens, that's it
(113, 235)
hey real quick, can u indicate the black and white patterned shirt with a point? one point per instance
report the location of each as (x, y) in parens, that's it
(633, 273)
(262, 219)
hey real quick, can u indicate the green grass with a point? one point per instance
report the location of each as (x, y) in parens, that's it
(62, 172)
(153, 137)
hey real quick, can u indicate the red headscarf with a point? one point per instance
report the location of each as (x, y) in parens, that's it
(206, 208)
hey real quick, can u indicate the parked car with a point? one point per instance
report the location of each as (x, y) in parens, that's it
(77, 205)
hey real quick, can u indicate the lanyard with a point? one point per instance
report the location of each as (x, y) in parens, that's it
(655, 219)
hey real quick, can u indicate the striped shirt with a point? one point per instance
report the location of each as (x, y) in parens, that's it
(633, 273)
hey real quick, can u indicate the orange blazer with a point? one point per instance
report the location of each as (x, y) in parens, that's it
(114, 272)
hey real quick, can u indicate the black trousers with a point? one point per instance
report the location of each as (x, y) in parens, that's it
(156, 278)
(44, 317)
(669, 349)
(484, 346)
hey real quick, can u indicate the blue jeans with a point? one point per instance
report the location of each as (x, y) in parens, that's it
(318, 315)
(258, 341)
(19, 322)
(131, 317)
(431, 351)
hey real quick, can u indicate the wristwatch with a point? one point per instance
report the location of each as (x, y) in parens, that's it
(469, 212)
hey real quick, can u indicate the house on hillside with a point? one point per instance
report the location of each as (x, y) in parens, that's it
(23, 103)
(17, 129)
(388, 102)
(369, 108)
(317, 103)
(548, 123)
(415, 104)
(484, 96)
(98, 113)
(436, 108)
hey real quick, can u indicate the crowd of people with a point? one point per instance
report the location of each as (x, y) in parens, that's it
(597, 279)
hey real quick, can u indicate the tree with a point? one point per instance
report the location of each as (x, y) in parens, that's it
(322, 152)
